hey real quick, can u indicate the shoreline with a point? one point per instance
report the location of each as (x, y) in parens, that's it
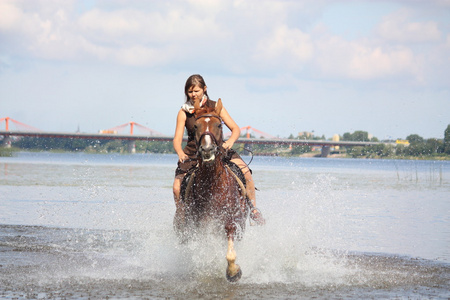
(9, 152)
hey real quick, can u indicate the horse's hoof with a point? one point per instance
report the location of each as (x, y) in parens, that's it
(235, 277)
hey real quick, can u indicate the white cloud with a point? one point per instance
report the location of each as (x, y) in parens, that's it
(290, 46)
(38, 33)
(139, 55)
(360, 60)
(241, 37)
(116, 24)
(398, 27)
(9, 16)
(149, 38)
(120, 35)
(250, 51)
(367, 63)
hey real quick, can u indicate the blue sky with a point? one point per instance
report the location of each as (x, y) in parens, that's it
(282, 67)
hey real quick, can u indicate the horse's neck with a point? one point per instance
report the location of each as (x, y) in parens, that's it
(213, 172)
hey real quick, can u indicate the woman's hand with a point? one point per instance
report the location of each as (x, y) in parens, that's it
(235, 130)
(183, 157)
(227, 145)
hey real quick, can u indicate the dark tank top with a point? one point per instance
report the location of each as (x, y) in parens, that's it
(191, 147)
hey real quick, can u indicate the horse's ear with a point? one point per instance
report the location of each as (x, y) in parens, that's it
(219, 106)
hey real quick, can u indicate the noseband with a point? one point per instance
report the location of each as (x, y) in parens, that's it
(208, 132)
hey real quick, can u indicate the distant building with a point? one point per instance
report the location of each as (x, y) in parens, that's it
(402, 142)
(107, 131)
(306, 134)
(336, 138)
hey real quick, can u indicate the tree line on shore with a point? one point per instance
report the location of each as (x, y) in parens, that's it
(416, 146)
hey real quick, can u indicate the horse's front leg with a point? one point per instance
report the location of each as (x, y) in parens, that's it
(234, 272)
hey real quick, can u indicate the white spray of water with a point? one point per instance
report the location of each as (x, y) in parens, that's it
(294, 246)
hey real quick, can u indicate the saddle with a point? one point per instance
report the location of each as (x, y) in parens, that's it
(189, 178)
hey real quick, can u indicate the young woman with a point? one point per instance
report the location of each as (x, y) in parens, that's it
(195, 89)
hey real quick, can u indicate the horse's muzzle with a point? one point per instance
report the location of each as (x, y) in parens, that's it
(208, 153)
(207, 147)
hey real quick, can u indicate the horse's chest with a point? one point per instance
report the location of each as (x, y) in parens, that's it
(214, 195)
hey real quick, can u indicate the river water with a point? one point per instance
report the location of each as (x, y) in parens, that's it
(85, 226)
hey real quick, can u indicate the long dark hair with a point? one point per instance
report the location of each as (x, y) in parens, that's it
(194, 80)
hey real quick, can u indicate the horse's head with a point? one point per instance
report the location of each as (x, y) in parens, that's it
(208, 131)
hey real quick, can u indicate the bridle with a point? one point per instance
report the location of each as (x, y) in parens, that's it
(216, 142)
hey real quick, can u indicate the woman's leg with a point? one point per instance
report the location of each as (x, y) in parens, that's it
(179, 213)
(176, 189)
(250, 189)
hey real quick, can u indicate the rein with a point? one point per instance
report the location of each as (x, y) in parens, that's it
(214, 138)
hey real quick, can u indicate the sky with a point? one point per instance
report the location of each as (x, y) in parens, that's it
(280, 66)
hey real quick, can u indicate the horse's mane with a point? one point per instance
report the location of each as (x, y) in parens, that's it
(204, 110)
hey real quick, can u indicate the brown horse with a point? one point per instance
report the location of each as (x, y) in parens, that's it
(213, 194)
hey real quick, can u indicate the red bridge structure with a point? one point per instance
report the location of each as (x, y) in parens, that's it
(121, 129)
(250, 131)
(116, 133)
(121, 133)
(18, 125)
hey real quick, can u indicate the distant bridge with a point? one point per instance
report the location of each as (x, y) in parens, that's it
(116, 133)
(132, 138)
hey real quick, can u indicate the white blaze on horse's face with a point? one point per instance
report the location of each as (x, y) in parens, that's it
(208, 155)
(209, 142)
(209, 145)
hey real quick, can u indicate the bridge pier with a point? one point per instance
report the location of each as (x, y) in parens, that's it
(7, 141)
(325, 151)
(132, 147)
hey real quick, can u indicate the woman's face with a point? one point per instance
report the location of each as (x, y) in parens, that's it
(195, 92)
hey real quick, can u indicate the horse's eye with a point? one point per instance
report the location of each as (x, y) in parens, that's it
(220, 125)
(195, 127)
